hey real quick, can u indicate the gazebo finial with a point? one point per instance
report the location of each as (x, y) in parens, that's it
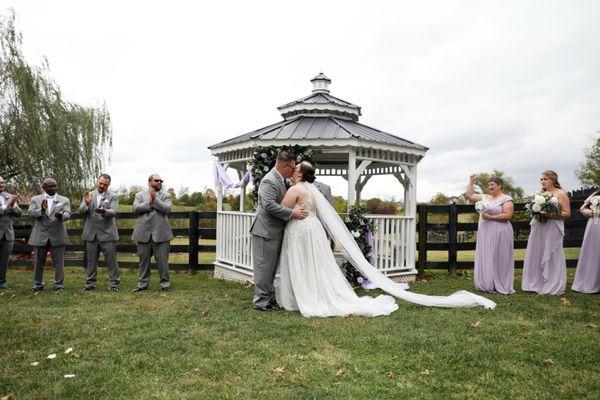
(321, 83)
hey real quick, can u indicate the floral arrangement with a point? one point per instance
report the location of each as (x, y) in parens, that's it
(361, 228)
(542, 206)
(264, 157)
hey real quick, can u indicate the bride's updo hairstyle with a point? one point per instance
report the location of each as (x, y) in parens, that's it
(307, 171)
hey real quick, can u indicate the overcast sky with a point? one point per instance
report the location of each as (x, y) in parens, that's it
(511, 85)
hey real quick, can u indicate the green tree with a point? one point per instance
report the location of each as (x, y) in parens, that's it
(508, 185)
(41, 134)
(589, 170)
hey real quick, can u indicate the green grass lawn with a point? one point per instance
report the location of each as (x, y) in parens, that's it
(203, 340)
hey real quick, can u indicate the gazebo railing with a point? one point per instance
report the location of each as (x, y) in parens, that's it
(234, 246)
(393, 243)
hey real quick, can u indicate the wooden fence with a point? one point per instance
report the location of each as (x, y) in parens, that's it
(190, 227)
(453, 231)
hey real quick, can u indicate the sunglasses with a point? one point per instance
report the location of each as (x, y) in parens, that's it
(158, 180)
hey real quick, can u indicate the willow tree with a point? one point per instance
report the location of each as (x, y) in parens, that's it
(41, 134)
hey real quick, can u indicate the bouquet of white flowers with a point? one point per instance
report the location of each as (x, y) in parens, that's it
(480, 207)
(543, 206)
(595, 207)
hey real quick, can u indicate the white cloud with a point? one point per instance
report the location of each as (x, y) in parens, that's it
(509, 85)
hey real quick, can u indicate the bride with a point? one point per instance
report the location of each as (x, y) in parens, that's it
(312, 282)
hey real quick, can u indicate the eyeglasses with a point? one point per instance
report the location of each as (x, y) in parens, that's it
(158, 180)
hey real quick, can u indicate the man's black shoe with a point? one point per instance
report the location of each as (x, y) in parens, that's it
(37, 289)
(274, 306)
(87, 288)
(165, 289)
(113, 288)
(140, 289)
(266, 308)
(59, 289)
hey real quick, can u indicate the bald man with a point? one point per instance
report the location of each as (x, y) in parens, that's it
(50, 211)
(9, 209)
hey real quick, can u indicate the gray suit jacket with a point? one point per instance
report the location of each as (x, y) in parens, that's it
(324, 189)
(152, 222)
(271, 216)
(101, 226)
(49, 228)
(6, 217)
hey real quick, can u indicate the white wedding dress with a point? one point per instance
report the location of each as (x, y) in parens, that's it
(311, 281)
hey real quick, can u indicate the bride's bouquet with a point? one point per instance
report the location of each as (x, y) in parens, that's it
(543, 206)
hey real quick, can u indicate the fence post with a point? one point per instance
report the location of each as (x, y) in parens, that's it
(193, 241)
(422, 210)
(452, 237)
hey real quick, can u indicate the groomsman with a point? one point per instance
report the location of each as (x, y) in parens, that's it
(152, 232)
(50, 211)
(8, 210)
(99, 209)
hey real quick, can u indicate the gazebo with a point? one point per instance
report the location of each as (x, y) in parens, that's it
(345, 148)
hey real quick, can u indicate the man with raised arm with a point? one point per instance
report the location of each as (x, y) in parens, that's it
(153, 232)
(99, 209)
(50, 211)
(8, 210)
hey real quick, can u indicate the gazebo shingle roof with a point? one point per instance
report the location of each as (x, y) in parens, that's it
(330, 127)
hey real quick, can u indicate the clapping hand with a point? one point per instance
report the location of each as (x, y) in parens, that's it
(59, 215)
(152, 195)
(11, 201)
(472, 178)
(87, 197)
(44, 205)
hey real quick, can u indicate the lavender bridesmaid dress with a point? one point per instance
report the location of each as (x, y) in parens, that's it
(494, 256)
(545, 268)
(587, 276)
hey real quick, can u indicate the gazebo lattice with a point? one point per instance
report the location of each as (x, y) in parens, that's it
(346, 148)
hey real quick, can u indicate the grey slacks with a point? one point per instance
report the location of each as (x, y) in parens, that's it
(5, 250)
(109, 249)
(265, 257)
(58, 262)
(161, 255)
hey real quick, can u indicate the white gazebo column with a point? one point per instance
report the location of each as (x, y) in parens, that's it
(242, 191)
(351, 178)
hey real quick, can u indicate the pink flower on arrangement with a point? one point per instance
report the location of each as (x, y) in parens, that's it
(264, 155)
(536, 207)
(360, 280)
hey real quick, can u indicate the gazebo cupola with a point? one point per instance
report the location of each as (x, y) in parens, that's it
(320, 103)
(345, 148)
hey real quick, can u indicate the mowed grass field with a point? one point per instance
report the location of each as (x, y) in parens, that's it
(203, 341)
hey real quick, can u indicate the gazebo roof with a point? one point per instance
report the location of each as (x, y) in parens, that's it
(330, 127)
(320, 117)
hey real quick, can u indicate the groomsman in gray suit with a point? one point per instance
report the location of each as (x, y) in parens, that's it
(153, 232)
(8, 210)
(50, 211)
(267, 229)
(99, 209)
(324, 189)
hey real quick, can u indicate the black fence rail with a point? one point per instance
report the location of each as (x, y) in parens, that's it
(190, 227)
(453, 236)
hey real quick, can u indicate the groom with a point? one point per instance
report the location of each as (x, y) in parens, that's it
(267, 229)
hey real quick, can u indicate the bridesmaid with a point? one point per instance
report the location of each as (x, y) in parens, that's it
(587, 276)
(545, 268)
(494, 256)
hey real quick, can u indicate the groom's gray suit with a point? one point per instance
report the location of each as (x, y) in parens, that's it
(267, 234)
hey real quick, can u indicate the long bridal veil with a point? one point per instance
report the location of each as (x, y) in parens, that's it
(338, 231)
